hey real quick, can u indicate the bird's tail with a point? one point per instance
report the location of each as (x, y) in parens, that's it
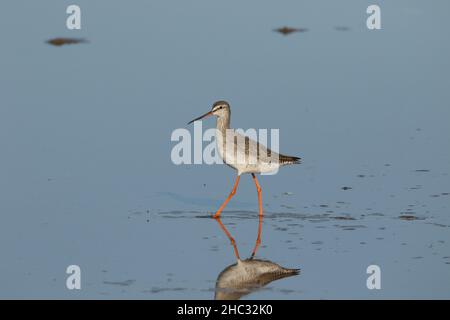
(289, 160)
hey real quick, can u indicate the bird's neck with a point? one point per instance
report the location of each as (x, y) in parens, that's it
(223, 123)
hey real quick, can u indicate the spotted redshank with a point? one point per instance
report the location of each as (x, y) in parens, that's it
(242, 153)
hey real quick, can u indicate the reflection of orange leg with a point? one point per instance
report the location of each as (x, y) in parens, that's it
(236, 252)
(258, 239)
(229, 197)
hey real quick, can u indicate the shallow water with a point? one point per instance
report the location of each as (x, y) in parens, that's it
(86, 176)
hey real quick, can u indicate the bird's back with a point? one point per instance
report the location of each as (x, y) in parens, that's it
(249, 156)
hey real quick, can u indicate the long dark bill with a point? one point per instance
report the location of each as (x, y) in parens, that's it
(201, 117)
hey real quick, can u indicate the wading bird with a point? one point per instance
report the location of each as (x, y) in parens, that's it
(242, 153)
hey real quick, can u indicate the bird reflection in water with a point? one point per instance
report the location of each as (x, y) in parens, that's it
(246, 276)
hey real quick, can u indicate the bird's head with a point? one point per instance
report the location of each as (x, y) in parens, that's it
(219, 109)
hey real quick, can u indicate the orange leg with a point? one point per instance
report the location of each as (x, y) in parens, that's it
(258, 239)
(236, 252)
(258, 188)
(228, 199)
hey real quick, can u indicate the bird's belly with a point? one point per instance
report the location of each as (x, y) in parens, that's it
(244, 163)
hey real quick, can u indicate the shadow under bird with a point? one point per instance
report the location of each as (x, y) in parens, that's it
(242, 153)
